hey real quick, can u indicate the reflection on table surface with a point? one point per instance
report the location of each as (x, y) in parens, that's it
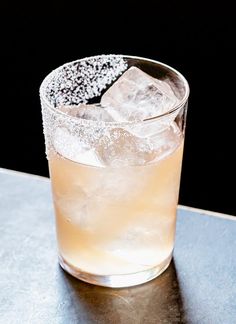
(158, 301)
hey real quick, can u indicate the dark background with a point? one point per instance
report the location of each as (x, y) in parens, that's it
(196, 39)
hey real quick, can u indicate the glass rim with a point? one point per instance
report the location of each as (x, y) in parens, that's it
(90, 122)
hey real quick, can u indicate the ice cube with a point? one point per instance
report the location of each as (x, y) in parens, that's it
(137, 96)
(151, 127)
(166, 141)
(138, 245)
(73, 206)
(74, 149)
(89, 112)
(121, 148)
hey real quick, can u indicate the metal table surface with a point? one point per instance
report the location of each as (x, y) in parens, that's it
(198, 287)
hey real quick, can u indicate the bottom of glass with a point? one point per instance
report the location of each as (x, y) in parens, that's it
(117, 280)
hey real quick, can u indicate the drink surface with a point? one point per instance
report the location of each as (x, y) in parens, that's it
(116, 220)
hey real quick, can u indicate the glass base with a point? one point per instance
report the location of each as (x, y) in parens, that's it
(117, 280)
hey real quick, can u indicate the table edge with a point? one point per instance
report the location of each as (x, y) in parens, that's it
(180, 207)
(207, 212)
(24, 174)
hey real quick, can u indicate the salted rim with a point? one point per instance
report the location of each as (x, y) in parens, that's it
(78, 120)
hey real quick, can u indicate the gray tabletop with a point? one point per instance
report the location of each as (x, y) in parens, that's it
(198, 287)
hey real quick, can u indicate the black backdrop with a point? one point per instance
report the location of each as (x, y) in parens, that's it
(196, 39)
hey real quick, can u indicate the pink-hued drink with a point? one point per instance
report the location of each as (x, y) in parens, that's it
(115, 220)
(115, 166)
